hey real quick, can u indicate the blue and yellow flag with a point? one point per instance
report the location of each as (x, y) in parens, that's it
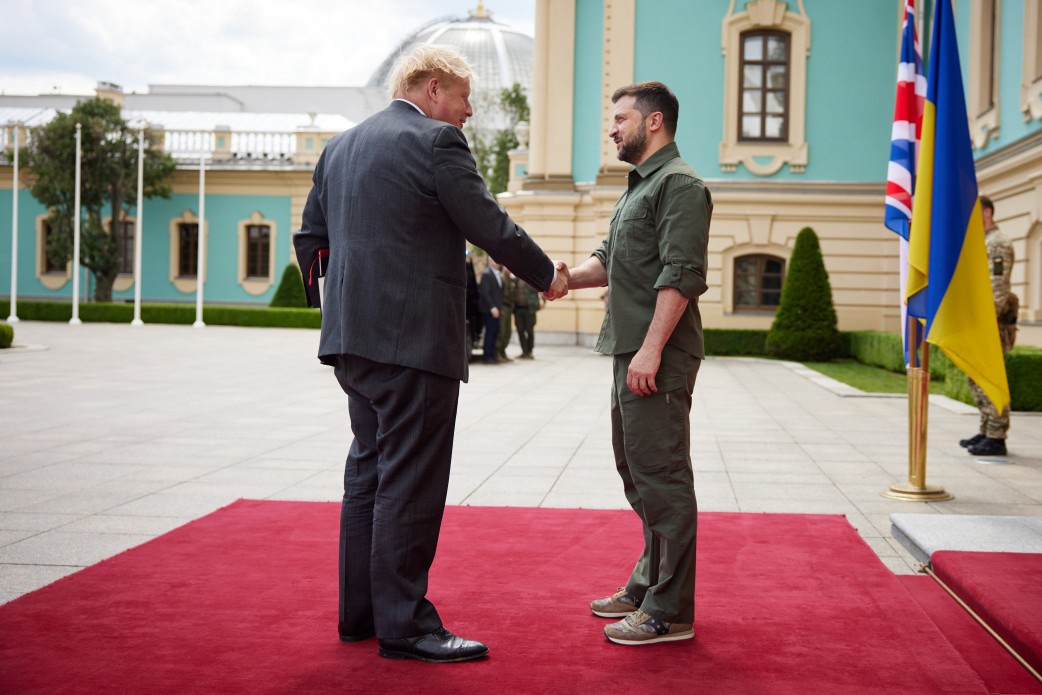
(948, 283)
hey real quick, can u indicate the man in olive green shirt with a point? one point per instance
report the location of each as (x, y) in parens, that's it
(654, 262)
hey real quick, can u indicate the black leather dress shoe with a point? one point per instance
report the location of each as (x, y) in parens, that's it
(988, 447)
(438, 647)
(972, 441)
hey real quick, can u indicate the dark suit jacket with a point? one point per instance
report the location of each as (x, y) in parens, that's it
(490, 292)
(395, 199)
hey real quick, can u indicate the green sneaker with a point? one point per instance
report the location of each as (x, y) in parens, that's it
(641, 628)
(618, 605)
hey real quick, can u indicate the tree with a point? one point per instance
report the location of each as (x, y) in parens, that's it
(290, 292)
(492, 146)
(108, 183)
(804, 328)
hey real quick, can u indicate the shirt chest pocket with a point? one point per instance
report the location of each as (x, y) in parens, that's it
(636, 237)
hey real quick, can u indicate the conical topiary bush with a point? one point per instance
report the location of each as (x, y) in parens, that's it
(290, 291)
(804, 328)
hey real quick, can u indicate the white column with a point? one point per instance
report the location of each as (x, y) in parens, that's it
(13, 318)
(138, 226)
(75, 320)
(200, 265)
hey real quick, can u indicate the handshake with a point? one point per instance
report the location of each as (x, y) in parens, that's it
(562, 280)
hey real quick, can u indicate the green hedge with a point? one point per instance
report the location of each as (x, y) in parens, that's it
(1023, 367)
(735, 342)
(6, 335)
(214, 315)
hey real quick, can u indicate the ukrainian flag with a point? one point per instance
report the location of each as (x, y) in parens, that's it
(949, 287)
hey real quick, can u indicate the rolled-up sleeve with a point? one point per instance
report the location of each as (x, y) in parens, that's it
(686, 208)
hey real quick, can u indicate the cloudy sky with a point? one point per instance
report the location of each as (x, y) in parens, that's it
(72, 44)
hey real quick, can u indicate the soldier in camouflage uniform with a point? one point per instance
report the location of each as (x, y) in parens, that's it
(991, 440)
(526, 303)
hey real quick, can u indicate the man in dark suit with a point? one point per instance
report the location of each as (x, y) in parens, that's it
(395, 199)
(490, 304)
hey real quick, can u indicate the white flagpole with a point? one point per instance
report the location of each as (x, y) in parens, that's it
(75, 320)
(138, 226)
(13, 318)
(200, 256)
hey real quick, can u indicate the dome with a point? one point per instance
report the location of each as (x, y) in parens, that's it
(499, 54)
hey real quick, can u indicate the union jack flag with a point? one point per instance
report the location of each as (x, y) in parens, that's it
(904, 145)
(908, 125)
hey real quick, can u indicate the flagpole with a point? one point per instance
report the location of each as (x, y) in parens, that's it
(13, 318)
(916, 489)
(138, 226)
(200, 256)
(75, 320)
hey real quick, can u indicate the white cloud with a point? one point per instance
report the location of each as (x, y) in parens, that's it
(134, 43)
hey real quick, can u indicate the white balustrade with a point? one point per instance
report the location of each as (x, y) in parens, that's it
(244, 146)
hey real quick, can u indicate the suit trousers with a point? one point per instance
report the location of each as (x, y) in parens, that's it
(651, 436)
(395, 485)
(491, 335)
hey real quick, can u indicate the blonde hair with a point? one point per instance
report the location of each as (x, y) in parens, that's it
(426, 61)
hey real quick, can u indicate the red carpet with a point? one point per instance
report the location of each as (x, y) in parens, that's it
(1000, 671)
(1005, 589)
(244, 600)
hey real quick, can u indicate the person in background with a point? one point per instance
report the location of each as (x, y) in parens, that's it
(527, 303)
(490, 303)
(991, 439)
(506, 314)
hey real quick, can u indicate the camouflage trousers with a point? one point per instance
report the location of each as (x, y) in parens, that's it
(992, 423)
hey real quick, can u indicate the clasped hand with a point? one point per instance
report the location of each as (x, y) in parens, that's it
(560, 286)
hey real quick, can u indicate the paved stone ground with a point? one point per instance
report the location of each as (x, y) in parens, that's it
(111, 435)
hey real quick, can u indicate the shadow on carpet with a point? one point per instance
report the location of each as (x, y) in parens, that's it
(244, 600)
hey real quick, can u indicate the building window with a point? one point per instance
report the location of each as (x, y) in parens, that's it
(124, 233)
(1036, 27)
(188, 249)
(763, 111)
(984, 70)
(258, 240)
(52, 276)
(986, 95)
(766, 47)
(258, 247)
(1031, 78)
(758, 282)
(46, 264)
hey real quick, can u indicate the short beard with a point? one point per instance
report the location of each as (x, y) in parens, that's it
(633, 151)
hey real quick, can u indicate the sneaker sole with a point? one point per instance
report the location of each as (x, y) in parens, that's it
(614, 614)
(652, 640)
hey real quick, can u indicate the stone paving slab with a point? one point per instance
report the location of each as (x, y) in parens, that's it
(923, 535)
(112, 434)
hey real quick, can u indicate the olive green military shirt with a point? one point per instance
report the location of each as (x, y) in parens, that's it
(658, 237)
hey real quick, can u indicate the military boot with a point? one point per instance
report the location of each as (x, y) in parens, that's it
(972, 441)
(989, 447)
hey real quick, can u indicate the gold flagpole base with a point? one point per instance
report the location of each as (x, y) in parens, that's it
(911, 493)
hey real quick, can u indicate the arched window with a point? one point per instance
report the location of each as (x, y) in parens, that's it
(763, 110)
(758, 282)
